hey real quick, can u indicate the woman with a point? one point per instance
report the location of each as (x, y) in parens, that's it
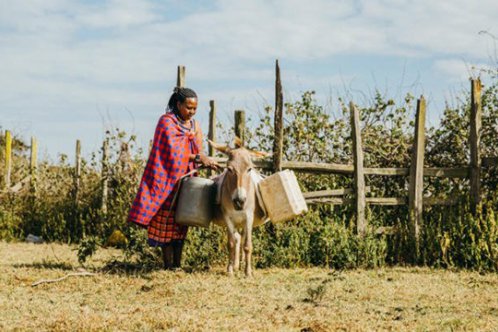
(176, 149)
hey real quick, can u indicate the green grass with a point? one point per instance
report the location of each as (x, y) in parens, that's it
(316, 299)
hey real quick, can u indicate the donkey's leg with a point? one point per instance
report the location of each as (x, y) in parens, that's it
(248, 244)
(242, 243)
(231, 246)
(236, 263)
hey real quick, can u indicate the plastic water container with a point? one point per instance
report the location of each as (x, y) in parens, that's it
(282, 196)
(195, 202)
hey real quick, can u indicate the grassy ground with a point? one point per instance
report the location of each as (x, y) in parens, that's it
(274, 300)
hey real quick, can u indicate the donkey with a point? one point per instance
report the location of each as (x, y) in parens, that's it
(239, 208)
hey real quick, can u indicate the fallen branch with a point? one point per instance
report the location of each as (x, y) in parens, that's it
(46, 281)
(20, 184)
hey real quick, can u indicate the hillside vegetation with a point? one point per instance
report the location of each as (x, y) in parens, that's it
(325, 236)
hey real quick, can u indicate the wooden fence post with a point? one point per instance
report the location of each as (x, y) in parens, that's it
(77, 172)
(474, 141)
(278, 122)
(240, 125)
(8, 159)
(151, 144)
(33, 166)
(105, 175)
(212, 126)
(180, 77)
(359, 175)
(416, 184)
(124, 157)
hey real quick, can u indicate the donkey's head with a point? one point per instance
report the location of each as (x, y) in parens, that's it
(238, 178)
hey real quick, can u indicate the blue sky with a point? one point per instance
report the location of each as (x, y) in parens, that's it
(71, 69)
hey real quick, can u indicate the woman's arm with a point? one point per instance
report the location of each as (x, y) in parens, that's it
(198, 136)
(202, 159)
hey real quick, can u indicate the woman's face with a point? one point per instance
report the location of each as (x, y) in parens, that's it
(187, 109)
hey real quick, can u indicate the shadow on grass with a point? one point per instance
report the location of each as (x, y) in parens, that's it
(140, 269)
(47, 265)
(128, 268)
(115, 267)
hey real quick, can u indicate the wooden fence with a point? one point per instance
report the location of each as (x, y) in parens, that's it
(416, 172)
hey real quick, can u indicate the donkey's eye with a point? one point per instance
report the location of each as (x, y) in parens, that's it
(249, 169)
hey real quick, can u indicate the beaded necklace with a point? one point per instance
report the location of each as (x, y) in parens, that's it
(183, 123)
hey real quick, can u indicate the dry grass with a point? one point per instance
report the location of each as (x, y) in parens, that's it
(274, 300)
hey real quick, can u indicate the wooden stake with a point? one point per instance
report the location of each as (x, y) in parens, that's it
(359, 175)
(77, 172)
(180, 78)
(240, 125)
(279, 122)
(474, 142)
(33, 167)
(105, 175)
(8, 158)
(416, 185)
(151, 144)
(212, 126)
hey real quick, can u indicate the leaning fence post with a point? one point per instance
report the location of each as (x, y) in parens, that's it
(474, 141)
(105, 175)
(416, 184)
(180, 77)
(240, 125)
(359, 175)
(33, 165)
(278, 122)
(212, 126)
(8, 159)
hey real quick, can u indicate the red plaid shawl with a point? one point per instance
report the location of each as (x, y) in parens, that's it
(168, 161)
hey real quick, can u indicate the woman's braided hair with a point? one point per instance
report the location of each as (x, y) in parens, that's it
(179, 95)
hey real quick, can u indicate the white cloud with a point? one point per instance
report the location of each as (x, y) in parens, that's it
(137, 44)
(118, 14)
(435, 27)
(459, 70)
(123, 53)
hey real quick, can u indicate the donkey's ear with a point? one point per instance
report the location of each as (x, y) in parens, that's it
(259, 154)
(222, 148)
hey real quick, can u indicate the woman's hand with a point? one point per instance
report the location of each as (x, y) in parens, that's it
(208, 162)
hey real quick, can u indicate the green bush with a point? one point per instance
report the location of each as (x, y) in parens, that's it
(310, 240)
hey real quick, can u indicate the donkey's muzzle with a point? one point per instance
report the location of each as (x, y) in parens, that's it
(238, 203)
